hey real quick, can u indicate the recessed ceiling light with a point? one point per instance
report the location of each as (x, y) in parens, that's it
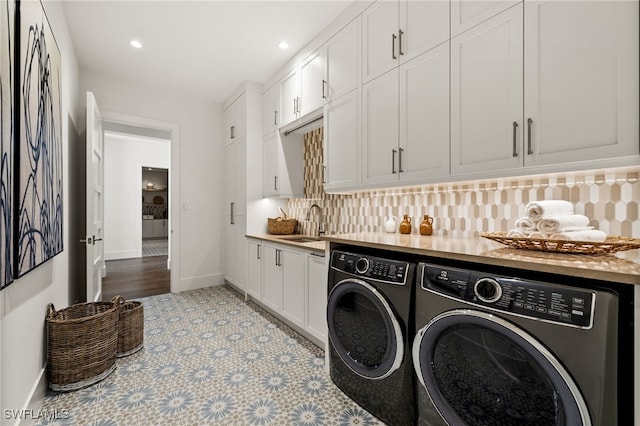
(136, 44)
(283, 45)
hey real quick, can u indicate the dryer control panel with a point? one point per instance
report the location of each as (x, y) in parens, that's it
(550, 302)
(370, 267)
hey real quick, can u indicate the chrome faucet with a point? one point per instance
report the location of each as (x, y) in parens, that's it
(321, 230)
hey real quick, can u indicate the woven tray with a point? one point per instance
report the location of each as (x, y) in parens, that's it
(130, 326)
(82, 342)
(610, 245)
(280, 226)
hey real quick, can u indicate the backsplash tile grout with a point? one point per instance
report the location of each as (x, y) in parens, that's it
(464, 209)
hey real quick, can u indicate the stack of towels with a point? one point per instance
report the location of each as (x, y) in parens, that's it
(555, 219)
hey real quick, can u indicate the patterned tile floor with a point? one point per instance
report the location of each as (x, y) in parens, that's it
(211, 358)
(154, 247)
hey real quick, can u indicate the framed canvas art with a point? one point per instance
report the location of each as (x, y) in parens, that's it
(7, 63)
(38, 156)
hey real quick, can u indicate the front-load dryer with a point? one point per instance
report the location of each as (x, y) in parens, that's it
(496, 350)
(370, 327)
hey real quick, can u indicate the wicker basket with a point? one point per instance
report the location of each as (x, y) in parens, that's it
(280, 226)
(82, 341)
(130, 326)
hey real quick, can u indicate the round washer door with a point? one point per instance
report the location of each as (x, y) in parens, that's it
(480, 369)
(363, 329)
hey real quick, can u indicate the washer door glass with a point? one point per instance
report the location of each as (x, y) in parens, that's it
(481, 370)
(364, 330)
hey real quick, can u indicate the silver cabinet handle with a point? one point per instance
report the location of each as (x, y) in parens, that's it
(231, 206)
(529, 123)
(400, 33)
(275, 117)
(324, 84)
(393, 46)
(232, 132)
(393, 161)
(314, 254)
(515, 137)
(278, 257)
(275, 183)
(324, 174)
(295, 106)
(400, 150)
(258, 252)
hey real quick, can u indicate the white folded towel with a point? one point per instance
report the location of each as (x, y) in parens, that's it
(546, 208)
(517, 233)
(525, 224)
(592, 235)
(558, 223)
(538, 234)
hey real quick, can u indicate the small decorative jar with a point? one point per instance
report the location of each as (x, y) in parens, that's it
(426, 227)
(405, 225)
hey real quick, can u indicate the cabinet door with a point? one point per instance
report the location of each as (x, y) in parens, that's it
(165, 228)
(341, 143)
(229, 250)
(240, 253)
(342, 60)
(240, 125)
(270, 165)
(147, 228)
(272, 278)
(581, 80)
(254, 269)
(379, 39)
(312, 84)
(240, 176)
(466, 14)
(229, 123)
(317, 296)
(270, 109)
(380, 129)
(229, 177)
(424, 25)
(289, 94)
(486, 96)
(293, 283)
(424, 116)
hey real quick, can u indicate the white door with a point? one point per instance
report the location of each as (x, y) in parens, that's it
(289, 97)
(270, 109)
(342, 61)
(317, 296)
(313, 90)
(272, 278)
(341, 142)
(424, 116)
(95, 201)
(380, 130)
(270, 165)
(254, 270)
(466, 14)
(424, 25)
(293, 291)
(379, 39)
(486, 96)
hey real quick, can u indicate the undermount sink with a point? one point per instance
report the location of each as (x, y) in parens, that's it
(301, 239)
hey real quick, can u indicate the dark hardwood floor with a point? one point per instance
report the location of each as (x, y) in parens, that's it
(139, 277)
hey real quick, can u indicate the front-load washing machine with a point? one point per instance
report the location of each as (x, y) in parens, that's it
(370, 332)
(496, 350)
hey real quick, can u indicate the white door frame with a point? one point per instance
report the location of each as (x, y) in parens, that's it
(173, 260)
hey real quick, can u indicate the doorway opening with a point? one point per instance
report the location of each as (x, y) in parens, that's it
(155, 211)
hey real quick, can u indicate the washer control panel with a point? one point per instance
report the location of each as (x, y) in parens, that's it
(533, 299)
(370, 267)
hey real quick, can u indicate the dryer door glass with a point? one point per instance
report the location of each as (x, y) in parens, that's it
(364, 330)
(480, 369)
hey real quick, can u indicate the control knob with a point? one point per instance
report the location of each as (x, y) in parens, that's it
(488, 290)
(362, 265)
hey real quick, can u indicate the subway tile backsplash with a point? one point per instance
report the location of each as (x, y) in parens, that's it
(464, 209)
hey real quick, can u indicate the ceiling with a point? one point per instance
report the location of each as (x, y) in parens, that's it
(204, 49)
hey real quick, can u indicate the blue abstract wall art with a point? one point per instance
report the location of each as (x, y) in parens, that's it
(38, 158)
(7, 22)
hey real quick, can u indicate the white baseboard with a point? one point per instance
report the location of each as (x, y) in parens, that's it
(34, 402)
(204, 281)
(117, 255)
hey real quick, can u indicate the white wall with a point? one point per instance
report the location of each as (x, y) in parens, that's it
(124, 157)
(24, 302)
(200, 170)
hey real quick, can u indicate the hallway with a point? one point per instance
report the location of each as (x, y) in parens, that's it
(137, 277)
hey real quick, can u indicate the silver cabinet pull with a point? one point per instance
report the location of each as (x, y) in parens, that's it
(232, 132)
(400, 33)
(295, 106)
(400, 150)
(324, 174)
(275, 117)
(393, 46)
(324, 84)
(231, 206)
(316, 254)
(278, 257)
(275, 183)
(515, 137)
(258, 252)
(529, 124)
(393, 161)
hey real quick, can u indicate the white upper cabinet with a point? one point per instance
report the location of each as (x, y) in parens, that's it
(486, 95)
(581, 80)
(395, 31)
(342, 61)
(283, 167)
(235, 120)
(341, 142)
(312, 84)
(424, 116)
(289, 97)
(271, 109)
(466, 14)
